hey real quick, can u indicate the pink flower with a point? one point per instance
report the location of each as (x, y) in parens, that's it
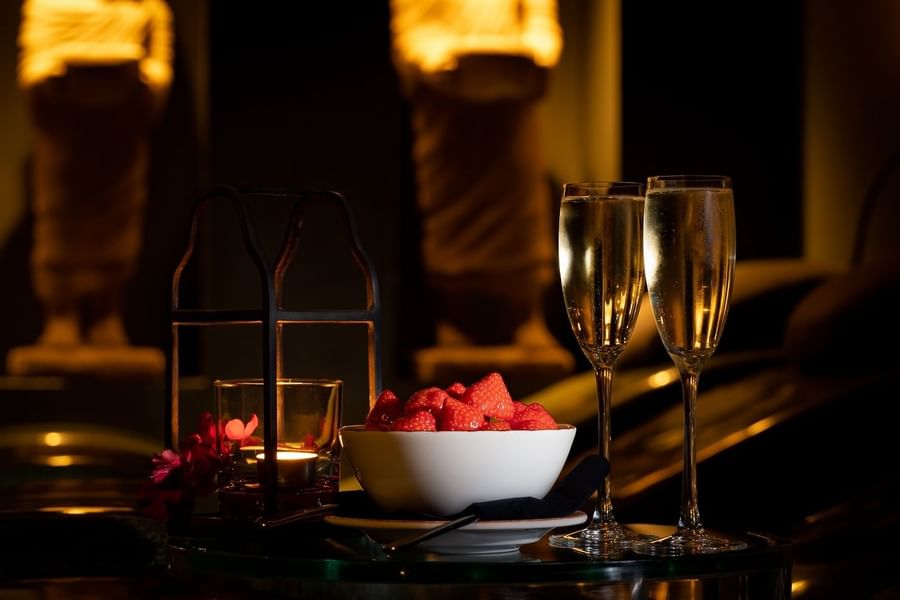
(236, 431)
(309, 442)
(203, 464)
(157, 503)
(163, 465)
(193, 470)
(189, 442)
(207, 428)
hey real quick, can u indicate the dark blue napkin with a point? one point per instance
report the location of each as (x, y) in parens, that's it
(569, 495)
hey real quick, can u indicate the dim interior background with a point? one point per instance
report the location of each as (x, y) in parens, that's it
(796, 101)
(306, 97)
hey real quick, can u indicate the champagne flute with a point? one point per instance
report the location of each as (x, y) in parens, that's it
(689, 251)
(602, 275)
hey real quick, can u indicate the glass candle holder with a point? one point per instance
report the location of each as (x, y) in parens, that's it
(308, 415)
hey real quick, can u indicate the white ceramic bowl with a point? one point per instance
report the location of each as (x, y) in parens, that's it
(443, 472)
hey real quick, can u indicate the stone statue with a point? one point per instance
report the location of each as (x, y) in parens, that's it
(474, 72)
(96, 73)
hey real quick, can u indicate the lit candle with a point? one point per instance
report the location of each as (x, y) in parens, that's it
(295, 469)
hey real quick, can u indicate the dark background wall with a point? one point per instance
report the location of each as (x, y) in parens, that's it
(303, 96)
(718, 88)
(306, 96)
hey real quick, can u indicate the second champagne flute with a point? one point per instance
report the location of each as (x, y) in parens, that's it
(689, 250)
(602, 273)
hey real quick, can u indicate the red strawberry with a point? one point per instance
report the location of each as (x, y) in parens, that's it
(533, 426)
(533, 416)
(496, 425)
(490, 395)
(518, 410)
(456, 390)
(430, 399)
(457, 416)
(420, 421)
(387, 408)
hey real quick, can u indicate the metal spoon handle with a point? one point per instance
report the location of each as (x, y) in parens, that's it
(294, 517)
(421, 536)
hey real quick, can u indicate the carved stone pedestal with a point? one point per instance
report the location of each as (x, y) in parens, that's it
(108, 362)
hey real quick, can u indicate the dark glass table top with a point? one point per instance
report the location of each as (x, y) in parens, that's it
(127, 556)
(324, 553)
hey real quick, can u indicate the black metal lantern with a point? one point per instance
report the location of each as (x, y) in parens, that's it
(271, 317)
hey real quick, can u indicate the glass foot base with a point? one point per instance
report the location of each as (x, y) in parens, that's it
(686, 543)
(604, 541)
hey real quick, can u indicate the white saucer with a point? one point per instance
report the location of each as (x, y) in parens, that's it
(481, 537)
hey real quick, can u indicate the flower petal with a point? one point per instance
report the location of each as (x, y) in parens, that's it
(163, 465)
(234, 429)
(251, 425)
(207, 428)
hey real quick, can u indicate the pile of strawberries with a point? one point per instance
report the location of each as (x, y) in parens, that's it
(486, 405)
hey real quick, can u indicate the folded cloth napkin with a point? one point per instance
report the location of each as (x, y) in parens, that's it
(569, 494)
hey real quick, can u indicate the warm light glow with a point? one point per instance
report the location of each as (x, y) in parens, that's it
(55, 34)
(433, 34)
(290, 455)
(649, 480)
(799, 587)
(651, 259)
(61, 460)
(665, 472)
(53, 439)
(736, 438)
(588, 260)
(83, 510)
(662, 378)
(565, 263)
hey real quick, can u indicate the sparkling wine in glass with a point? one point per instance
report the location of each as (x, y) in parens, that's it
(689, 252)
(602, 275)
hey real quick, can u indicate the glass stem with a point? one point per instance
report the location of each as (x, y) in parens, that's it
(690, 512)
(603, 514)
